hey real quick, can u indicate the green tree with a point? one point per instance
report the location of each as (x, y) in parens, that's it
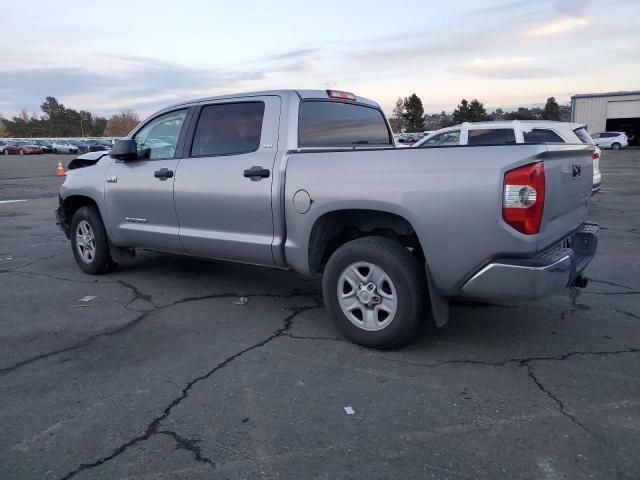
(398, 116)
(497, 114)
(413, 113)
(473, 111)
(521, 114)
(551, 110)
(477, 111)
(462, 112)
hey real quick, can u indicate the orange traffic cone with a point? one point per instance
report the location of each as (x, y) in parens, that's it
(60, 170)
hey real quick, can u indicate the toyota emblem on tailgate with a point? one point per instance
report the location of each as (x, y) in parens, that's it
(577, 169)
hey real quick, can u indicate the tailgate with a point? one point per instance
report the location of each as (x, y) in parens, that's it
(568, 173)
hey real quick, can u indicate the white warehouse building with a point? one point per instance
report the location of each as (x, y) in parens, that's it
(615, 112)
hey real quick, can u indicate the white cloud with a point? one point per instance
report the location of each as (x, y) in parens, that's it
(505, 68)
(556, 27)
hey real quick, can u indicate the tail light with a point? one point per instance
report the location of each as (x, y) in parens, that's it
(523, 198)
(595, 156)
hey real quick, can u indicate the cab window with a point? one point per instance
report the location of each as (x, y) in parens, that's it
(157, 140)
(444, 139)
(228, 129)
(492, 136)
(542, 135)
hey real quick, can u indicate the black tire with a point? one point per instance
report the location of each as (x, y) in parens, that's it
(101, 261)
(408, 278)
(616, 146)
(55, 150)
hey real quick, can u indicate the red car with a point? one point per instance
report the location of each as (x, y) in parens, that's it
(20, 147)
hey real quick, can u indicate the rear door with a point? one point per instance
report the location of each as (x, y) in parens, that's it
(139, 193)
(223, 186)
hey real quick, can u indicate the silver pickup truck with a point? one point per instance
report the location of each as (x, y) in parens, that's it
(311, 181)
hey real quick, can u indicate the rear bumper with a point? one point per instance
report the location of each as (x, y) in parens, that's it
(529, 279)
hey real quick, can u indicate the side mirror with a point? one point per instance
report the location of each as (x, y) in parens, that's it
(124, 150)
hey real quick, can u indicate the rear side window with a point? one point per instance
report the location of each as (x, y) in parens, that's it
(339, 124)
(583, 135)
(445, 139)
(542, 135)
(492, 136)
(228, 129)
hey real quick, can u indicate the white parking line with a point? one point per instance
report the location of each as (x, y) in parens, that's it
(13, 201)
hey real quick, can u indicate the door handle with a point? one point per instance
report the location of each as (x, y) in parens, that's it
(163, 173)
(257, 173)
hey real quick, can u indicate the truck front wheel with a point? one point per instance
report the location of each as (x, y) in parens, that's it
(89, 241)
(374, 289)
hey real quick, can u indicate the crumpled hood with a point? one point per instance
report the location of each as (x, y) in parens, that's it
(86, 160)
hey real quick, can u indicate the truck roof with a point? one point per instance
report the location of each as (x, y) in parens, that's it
(300, 93)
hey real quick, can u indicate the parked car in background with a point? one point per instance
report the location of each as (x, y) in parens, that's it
(3, 144)
(97, 145)
(61, 145)
(407, 138)
(45, 145)
(514, 132)
(311, 180)
(82, 147)
(21, 147)
(612, 140)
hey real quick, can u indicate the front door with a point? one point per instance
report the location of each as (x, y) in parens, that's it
(139, 193)
(223, 186)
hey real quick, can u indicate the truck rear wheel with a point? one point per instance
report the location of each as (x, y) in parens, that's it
(89, 242)
(374, 289)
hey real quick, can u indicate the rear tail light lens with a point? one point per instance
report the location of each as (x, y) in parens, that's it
(341, 95)
(523, 198)
(595, 155)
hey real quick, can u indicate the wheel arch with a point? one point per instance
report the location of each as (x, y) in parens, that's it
(69, 206)
(334, 228)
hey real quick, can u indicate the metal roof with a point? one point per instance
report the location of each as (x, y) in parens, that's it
(607, 94)
(302, 94)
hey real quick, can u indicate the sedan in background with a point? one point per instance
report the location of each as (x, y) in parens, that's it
(62, 146)
(45, 145)
(81, 146)
(21, 147)
(612, 140)
(98, 145)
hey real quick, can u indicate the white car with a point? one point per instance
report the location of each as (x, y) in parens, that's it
(511, 133)
(612, 140)
(63, 146)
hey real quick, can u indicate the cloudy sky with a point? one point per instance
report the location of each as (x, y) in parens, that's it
(142, 54)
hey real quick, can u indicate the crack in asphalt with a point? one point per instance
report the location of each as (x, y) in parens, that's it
(39, 259)
(137, 295)
(190, 444)
(142, 316)
(55, 277)
(561, 408)
(526, 363)
(628, 314)
(613, 284)
(635, 292)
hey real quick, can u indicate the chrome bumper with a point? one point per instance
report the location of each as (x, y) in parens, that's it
(531, 278)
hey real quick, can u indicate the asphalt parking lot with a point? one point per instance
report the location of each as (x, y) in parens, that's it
(166, 374)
